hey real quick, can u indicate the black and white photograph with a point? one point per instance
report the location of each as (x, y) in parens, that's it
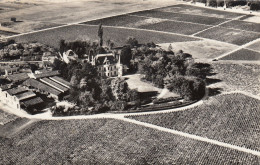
(129, 82)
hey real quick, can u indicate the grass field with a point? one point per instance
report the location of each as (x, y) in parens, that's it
(244, 77)
(243, 25)
(85, 32)
(237, 37)
(222, 118)
(202, 49)
(104, 141)
(255, 46)
(181, 17)
(188, 9)
(243, 54)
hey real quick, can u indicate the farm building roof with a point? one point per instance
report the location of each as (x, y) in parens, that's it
(103, 58)
(25, 95)
(47, 74)
(17, 90)
(38, 85)
(60, 80)
(54, 84)
(18, 77)
(32, 101)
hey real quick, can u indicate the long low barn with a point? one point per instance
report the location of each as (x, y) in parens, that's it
(60, 81)
(54, 84)
(32, 102)
(42, 87)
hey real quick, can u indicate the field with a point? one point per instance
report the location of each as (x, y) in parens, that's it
(255, 46)
(181, 17)
(151, 24)
(202, 49)
(89, 32)
(105, 141)
(244, 77)
(188, 9)
(175, 27)
(232, 36)
(222, 118)
(243, 25)
(243, 54)
(121, 20)
(72, 12)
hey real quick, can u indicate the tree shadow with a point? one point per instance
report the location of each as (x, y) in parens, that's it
(214, 91)
(212, 81)
(145, 95)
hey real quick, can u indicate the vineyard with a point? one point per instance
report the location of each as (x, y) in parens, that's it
(188, 9)
(104, 141)
(181, 17)
(243, 25)
(86, 32)
(232, 36)
(175, 27)
(244, 77)
(121, 20)
(243, 54)
(222, 118)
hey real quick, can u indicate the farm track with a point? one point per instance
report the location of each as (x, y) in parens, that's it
(239, 48)
(217, 25)
(191, 136)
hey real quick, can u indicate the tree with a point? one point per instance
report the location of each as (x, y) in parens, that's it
(170, 48)
(132, 42)
(126, 55)
(200, 70)
(100, 34)
(119, 89)
(190, 88)
(62, 46)
(73, 81)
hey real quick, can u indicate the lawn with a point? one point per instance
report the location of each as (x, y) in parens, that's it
(188, 9)
(244, 77)
(181, 17)
(89, 32)
(232, 36)
(255, 46)
(230, 118)
(134, 82)
(175, 27)
(105, 141)
(243, 54)
(243, 25)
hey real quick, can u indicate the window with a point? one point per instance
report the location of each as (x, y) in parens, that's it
(6, 95)
(114, 72)
(108, 74)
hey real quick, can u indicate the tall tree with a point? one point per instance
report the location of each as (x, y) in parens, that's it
(100, 34)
